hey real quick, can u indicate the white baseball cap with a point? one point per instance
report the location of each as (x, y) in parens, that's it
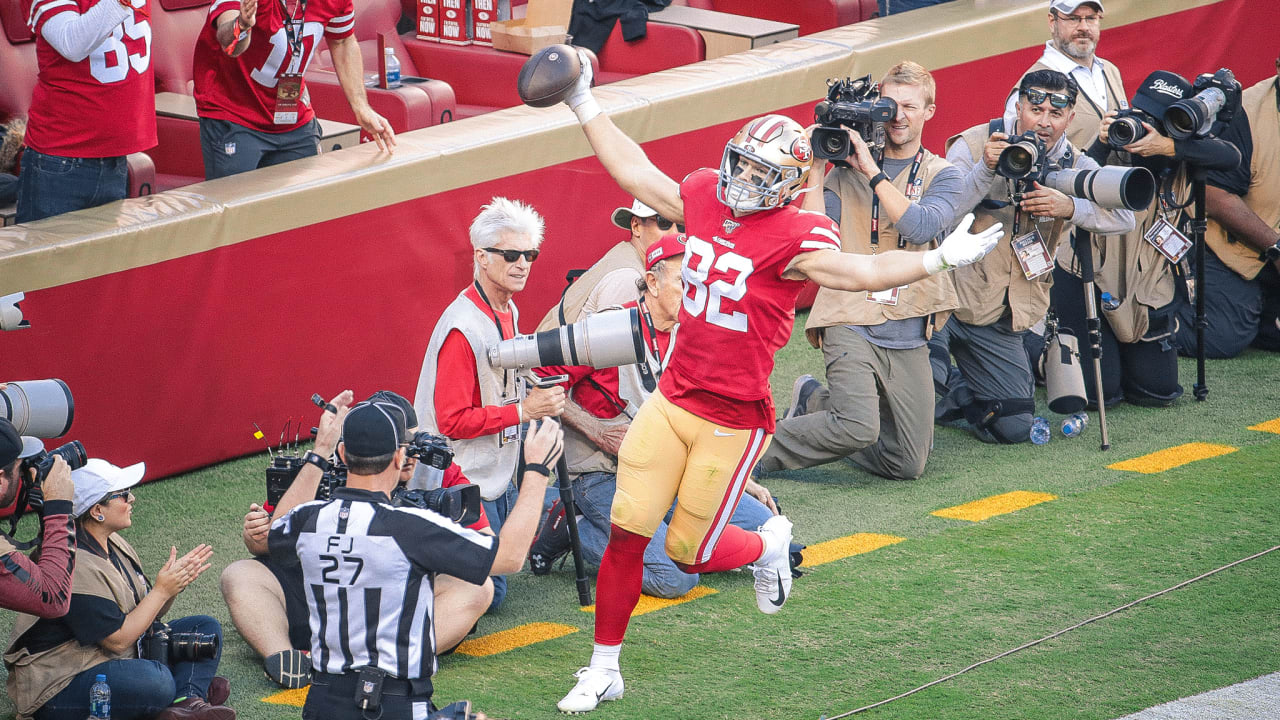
(99, 478)
(1066, 7)
(622, 216)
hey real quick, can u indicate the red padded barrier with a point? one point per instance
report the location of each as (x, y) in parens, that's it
(173, 363)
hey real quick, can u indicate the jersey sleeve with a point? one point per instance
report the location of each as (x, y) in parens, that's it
(40, 11)
(815, 231)
(220, 6)
(343, 24)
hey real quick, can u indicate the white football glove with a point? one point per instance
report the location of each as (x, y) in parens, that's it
(581, 101)
(960, 248)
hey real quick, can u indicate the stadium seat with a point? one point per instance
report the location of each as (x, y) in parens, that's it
(17, 60)
(175, 25)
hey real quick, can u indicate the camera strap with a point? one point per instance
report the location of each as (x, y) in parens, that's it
(651, 343)
(875, 203)
(497, 323)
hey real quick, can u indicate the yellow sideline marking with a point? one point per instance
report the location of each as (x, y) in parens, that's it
(840, 548)
(516, 637)
(1271, 426)
(648, 603)
(1173, 457)
(980, 510)
(296, 698)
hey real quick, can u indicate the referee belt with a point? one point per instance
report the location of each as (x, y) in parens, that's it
(346, 683)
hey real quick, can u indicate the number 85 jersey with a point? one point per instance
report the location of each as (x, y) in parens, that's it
(738, 309)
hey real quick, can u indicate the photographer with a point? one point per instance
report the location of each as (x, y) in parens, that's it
(53, 662)
(1005, 293)
(268, 603)
(878, 410)
(370, 565)
(1242, 255)
(1139, 361)
(459, 395)
(42, 586)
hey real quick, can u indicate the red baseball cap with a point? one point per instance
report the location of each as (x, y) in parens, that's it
(668, 246)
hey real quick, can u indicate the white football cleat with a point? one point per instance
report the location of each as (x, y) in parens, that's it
(595, 685)
(773, 570)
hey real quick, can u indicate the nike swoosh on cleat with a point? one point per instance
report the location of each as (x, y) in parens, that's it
(777, 602)
(722, 434)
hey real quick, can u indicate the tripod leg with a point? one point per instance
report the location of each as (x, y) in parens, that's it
(1198, 223)
(571, 520)
(1084, 255)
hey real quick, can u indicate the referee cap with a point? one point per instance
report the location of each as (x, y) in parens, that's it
(373, 429)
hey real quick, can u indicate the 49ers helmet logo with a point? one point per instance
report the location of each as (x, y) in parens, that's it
(800, 150)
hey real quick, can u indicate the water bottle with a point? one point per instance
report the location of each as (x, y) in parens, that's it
(393, 68)
(1074, 425)
(100, 699)
(1109, 303)
(1039, 431)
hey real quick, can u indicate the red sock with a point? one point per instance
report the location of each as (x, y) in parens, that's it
(618, 584)
(736, 548)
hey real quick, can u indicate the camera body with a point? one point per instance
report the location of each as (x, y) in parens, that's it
(430, 450)
(1127, 127)
(852, 104)
(1025, 159)
(1216, 99)
(30, 492)
(161, 643)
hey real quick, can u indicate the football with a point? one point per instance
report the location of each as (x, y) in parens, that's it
(548, 76)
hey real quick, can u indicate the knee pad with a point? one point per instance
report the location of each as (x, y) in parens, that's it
(986, 414)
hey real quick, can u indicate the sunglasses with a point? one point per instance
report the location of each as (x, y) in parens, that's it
(514, 255)
(663, 223)
(125, 495)
(1058, 100)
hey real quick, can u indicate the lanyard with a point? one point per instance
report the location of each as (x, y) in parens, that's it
(875, 203)
(294, 37)
(651, 339)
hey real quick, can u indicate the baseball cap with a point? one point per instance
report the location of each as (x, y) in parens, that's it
(667, 246)
(373, 429)
(1066, 7)
(622, 216)
(14, 446)
(395, 398)
(1160, 90)
(98, 478)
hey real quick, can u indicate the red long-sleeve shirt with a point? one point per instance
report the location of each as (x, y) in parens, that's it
(460, 413)
(42, 587)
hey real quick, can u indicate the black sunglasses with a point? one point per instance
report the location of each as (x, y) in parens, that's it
(663, 223)
(513, 255)
(1058, 100)
(125, 495)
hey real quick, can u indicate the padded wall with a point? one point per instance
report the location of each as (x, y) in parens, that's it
(180, 320)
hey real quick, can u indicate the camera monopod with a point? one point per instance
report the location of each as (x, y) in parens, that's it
(1198, 226)
(1084, 255)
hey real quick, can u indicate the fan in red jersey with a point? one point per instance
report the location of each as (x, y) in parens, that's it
(251, 96)
(696, 439)
(93, 104)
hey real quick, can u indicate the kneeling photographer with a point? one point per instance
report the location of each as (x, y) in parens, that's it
(1015, 171)
(114, 614)
(1139, 272)
(369, 565)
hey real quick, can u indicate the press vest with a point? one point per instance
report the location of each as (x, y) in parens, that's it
(621, 258)
(1263, 197)
(996, 284)
(1083, 129)
(35, 678)
(483, 460)
(934, 295)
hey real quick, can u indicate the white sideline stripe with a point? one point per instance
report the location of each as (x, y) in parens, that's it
(1256, 698)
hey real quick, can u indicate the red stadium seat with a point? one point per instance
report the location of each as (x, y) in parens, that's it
(17, 60)
(175, 25)
(662, 47)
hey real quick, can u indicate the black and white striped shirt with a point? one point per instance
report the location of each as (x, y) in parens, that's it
(368, 572)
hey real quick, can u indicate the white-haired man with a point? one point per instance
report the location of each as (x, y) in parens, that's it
(459, 395)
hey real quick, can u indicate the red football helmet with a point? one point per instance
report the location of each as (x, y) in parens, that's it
(779, 158)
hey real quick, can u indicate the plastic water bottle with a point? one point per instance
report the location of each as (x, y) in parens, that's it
(1109, 303)
(1074, 425)
(393, 68)
(1039, 431)
(100, 699)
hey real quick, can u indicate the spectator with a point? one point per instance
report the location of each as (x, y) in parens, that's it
(41, 587)
(879, 408)
(599, 409)
(268, 603)
(459, 395)
(1242, 254)
(612, 279)
(94, 103)
(1075, 27)
(251, 96)
(10, 148)
(52, 663)
(1005, 293)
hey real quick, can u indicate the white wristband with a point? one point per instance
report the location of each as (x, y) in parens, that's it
(587, 110)
(934, 262)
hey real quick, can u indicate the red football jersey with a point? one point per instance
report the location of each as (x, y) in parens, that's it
(738, 309)
(101, 106)
(242, 89)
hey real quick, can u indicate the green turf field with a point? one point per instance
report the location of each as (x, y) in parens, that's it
(953, 592)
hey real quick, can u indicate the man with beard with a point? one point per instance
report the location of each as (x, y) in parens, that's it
(1074, 29)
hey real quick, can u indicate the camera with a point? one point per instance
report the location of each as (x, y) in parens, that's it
(1216, 99)
(602, 340)
(162, 644)
(1127, 127)
(283, 470)
(460, 710)
(460, 503)
(40, 408)
(11, 314)
(1025, 158)
(431, 450)
(853, 104)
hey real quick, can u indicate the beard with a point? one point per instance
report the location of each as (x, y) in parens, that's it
(9, 483)
(1078, 48)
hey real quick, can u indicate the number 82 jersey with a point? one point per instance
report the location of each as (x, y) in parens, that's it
(738, 309)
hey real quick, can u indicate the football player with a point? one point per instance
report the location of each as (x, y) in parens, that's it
(697, 438)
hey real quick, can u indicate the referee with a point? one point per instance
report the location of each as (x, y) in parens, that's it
(369, 568)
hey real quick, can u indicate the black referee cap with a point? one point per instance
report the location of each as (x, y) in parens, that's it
(373, 429)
